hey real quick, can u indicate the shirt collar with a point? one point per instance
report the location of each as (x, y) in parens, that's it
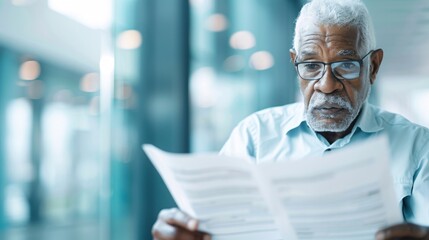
(367, 119)
(297, 119)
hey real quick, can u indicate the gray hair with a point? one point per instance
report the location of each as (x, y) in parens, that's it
(351, 13)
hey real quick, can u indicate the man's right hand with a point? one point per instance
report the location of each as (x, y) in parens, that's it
(173, 224)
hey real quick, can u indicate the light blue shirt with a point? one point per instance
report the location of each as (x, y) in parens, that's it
(282, 134)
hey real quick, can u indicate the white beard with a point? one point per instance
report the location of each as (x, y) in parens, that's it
(319, 99)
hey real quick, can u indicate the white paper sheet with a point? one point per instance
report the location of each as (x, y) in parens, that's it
(344, 195)
(347, 194)
(219, 191)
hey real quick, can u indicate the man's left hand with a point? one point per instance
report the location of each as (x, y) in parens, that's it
(404, 231)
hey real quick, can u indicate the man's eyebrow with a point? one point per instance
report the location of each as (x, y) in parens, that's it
(347, 53)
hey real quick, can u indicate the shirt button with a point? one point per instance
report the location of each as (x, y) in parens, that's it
(328, 150)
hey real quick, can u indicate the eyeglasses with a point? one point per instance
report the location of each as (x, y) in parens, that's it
(346, 69)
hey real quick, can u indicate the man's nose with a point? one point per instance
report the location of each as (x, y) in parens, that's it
(328, 83)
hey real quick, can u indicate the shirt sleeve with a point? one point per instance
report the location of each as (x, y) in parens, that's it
(241, 142)
(417, 204)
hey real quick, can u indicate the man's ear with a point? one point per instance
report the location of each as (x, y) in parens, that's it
(292, 55)
(376, 59)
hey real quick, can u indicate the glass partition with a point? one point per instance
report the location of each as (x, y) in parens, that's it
(52, 174)
(239, 64)
(50, 157)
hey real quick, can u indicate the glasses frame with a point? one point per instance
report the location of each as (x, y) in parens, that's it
(360, 61)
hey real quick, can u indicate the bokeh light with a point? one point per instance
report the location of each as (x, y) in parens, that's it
(29, 70)
(242, 40)
(129, 39)
(216, 23)
(262, 60)
(90, 82)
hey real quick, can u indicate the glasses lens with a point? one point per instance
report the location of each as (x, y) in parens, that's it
(310, 70)
(346, 69)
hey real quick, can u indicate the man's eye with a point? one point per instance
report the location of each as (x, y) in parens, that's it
(349, 66)
(312, 66)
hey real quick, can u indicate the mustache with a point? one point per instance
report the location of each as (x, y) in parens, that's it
(319, 100)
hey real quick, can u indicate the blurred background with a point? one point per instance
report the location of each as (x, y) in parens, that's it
(83, 83)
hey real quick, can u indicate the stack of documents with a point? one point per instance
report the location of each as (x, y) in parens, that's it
(346, 194)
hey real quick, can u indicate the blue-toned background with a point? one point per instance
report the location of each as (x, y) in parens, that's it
(83, 83)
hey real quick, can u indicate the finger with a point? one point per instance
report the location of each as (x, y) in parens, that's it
(164, 231)
(176, 217)
(401, 231)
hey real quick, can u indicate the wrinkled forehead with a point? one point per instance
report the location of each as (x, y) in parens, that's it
(314, 52)
(341, 40)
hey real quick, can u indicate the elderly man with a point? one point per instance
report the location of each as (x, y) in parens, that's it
(336, 60)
